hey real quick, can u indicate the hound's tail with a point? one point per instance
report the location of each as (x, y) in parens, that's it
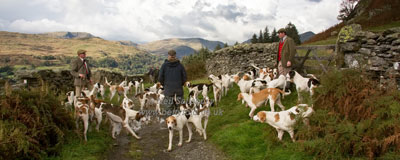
(108, 83)
(255, 66)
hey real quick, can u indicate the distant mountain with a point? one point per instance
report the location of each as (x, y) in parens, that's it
(247, 41)
(306, 35)
(183, 46)
(68, 35)
(128, 43)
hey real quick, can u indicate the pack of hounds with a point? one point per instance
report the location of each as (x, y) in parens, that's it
(257, 87)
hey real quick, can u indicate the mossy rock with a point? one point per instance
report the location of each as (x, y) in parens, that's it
(348, 33)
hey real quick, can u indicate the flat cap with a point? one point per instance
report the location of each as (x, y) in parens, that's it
(282, 30)
(81, 51)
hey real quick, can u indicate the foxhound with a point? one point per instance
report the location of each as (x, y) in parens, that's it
(255, 100)
(285, 120)
(302, 84)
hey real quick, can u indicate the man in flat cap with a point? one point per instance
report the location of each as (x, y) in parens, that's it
(172, 77)
(81, 72)
(286, 53)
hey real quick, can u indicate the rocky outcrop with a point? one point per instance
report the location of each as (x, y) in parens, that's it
(239, 58)
(378, 53)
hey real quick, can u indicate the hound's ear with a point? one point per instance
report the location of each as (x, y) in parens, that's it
(175, 122)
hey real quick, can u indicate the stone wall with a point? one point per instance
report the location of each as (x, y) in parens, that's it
(239, 58)
(377, 53)
(63, 80)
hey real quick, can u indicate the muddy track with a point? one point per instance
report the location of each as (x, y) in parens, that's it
(154, 143)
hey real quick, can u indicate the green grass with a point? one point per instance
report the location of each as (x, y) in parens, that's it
(58, 67)
(241, 138)
(330, 40)
(384, 27)
(96, 147)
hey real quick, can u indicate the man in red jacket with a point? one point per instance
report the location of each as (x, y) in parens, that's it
(286, 53)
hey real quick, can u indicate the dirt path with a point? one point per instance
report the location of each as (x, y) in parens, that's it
(154, 143)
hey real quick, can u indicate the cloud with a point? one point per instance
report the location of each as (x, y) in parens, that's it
(315, 0)
(143, 21)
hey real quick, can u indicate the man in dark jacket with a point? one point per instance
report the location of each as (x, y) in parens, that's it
(172, 77)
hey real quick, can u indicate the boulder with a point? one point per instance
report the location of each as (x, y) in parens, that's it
(350, 47)
(365, 51)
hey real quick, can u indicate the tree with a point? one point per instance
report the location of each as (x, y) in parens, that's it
(226, 45)
(347, 8)
(267, 38)
(218, 47)
(292, 32)
(236, 43)
(260, 37)
(274, 36)
(254, 39)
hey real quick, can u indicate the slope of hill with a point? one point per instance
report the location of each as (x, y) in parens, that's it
(45, 50)
(372, 15)
(42, 45)
(306, 35)
(183, 46)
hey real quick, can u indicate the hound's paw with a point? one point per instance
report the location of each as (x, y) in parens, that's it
(138, 137)
(169, 150)
(187, 141)
(179, 144)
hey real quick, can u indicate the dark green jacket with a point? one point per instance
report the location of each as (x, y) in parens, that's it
(288, 52)
(77, 68)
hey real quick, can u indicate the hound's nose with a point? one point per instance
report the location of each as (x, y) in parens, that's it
(169, 128)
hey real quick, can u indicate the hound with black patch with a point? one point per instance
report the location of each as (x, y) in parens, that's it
(285, 120)
(302, 84)
(255, 100)
(197, 88)
(137, 85)
(257, 86)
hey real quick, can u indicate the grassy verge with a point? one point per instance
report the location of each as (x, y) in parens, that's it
(97, 145)
(241, 138)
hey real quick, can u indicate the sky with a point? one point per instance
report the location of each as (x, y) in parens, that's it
(142, 21)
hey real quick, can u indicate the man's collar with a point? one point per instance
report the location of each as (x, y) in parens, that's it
(81, 59)
(283, 39)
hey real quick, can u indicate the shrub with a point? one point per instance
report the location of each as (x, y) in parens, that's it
(32, 124)
(195, 64)
(353, 118)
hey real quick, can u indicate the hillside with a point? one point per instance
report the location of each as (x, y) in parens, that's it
(55, 50)
(12, 43)
(372, 15)
(183, 46)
